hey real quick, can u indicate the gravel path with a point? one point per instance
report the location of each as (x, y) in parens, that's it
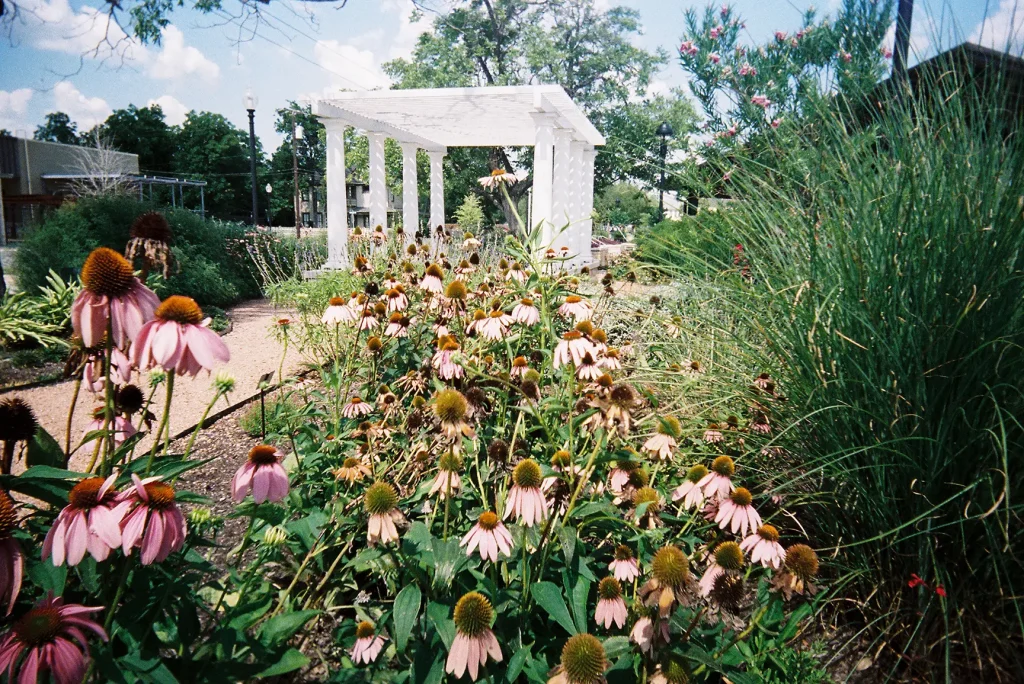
(254, 351)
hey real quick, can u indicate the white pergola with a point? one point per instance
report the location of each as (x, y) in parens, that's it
(435, 119)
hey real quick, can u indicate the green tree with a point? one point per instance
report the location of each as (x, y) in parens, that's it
(143, 132)
(211, 148)
(470, 215)
(58, 128)
(623, 204)
(311, 154)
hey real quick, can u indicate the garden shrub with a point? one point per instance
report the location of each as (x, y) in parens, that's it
(212, 264)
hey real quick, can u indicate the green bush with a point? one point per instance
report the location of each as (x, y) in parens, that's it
(212, 259)
(710, 236)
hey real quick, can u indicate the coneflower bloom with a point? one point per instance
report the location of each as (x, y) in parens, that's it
(495, 326)
(352, 469)
(356, 408)
(111, 298)
(496, 178)
(577, 308)
(442, 361)
(624, 566)
(154, 522)
(368, 320)
(368, 644)
(618, 477)
(525, 499)
(177, 339)
(517, 273)
(398, 325)
(479, 316)
(450, 407)
(525, 313)
(583, 661)
(718, 483)
(447, 481)
(588, 369)
(736, 514)
(572, 347)
(120, 371)
(646, 516)
(490, 536)
(764, 547)
(381, 503)
(727, 558)
(670, 570)
(713, 435)
(50, 638)
(662, 443)
(338, 311)
(690, 491)
(120, 426)
(800, 567)
(12, 563)
(643, 633)
(519, 367)
(432, 280)
(611, 609)
(474, 640)
(397, 299)
(263, 474)
(90, 522)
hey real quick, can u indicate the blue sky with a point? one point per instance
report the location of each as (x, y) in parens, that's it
(54, 56)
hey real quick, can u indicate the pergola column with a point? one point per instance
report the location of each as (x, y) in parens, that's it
(587, 202)
(543, 153)
(410, 193)
(436, 189)
(562, 184)
(337, 211)
(576, 210)
(378, 182)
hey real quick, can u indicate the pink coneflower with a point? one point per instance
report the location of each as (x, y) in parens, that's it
(644, 633)
(718, 482)
(111, 298)
(619, 475)
(670, 574)
(381, 503)
(120, 426)
(398, 325)
(713, 435)
(611, 359)
(368, 321)
(690, 491)
(447, 482)
(577, 308)
(736, 514)
(337, 312)
(356, 408)
(727, 560)
(662, 443)
(519, 367)
(50, 638)
(764, 547)
(588, 368)
(263, 474)
(611, 609)
(432, 280)
(120, 371)
(525, 500)
(397, 299)
(707, 580)
(496, 178)
(90, 522)
(177, 339)
(624, 567)
(525, 313)
(490, 536)
(155, 524)
(517, 273)
(479, 316)
(474, 640)
(368, 644)
(442, 361)
(495, 326)
(572, 347)
(12, 563)
(451, 409)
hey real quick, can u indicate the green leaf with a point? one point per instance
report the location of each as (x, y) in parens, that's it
(579, 602)
(47, 577)
(567, 537)
(407, 607)
(516, 662)
(43, 450)
(616, 646)
(282, 627)
(549, 597)
(438, 615)
(292, 660)
(449, 558)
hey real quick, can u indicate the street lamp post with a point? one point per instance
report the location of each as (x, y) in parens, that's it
(664, 132)
(270, 190)
(250, 106)
(312, 192)
(297, 134)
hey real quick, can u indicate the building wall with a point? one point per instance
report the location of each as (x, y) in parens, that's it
(35, 158)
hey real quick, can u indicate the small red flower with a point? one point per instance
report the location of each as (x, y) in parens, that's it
(940, 590)
(916, 581)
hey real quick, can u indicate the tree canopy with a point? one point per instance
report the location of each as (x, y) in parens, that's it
(59, 128)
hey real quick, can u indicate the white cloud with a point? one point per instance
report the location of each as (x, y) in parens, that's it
(408, 30)
(13, 105)
(174, 111)
(85, 111)
(178, 60)
(349, 67)
(54, 25)
(1002, 30)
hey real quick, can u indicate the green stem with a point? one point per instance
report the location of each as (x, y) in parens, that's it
(163, 422)
(199, 426)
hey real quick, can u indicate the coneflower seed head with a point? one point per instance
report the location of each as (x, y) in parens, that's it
(583, 659)
(527, 474)
(670, 566)
(724, 466)
(473, 614)
(729, 555)
(380, 498)
(107, 273)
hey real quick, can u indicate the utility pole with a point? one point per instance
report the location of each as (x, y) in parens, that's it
(901, 43)
(295, 176)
